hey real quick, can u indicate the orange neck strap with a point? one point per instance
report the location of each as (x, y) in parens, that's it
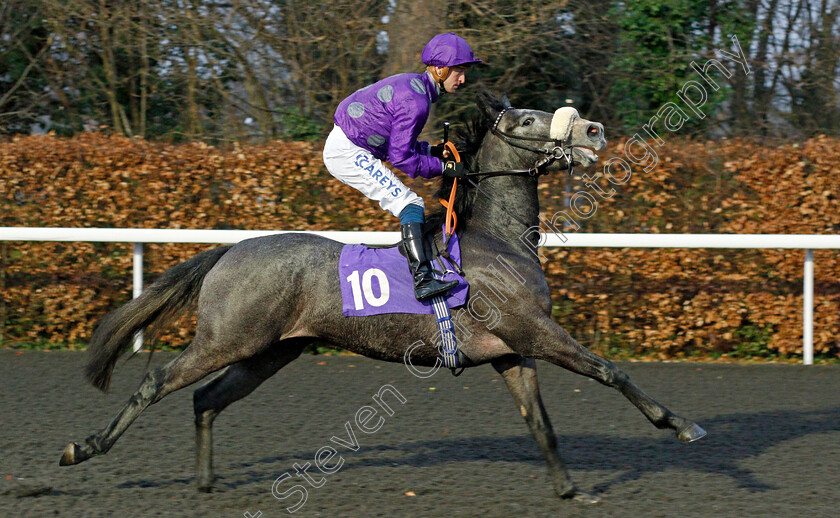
(451, 219)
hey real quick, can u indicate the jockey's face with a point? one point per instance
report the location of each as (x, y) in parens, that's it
(457, 77)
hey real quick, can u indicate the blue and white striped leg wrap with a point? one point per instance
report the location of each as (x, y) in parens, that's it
(448, 344)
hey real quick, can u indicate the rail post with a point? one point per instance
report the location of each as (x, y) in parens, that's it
(138, 287)
(808, 309)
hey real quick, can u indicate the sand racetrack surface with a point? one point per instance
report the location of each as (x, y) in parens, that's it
(457, 447)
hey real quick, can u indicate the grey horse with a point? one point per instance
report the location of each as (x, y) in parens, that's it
(261, 301)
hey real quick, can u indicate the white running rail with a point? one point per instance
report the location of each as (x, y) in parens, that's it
(138, 236)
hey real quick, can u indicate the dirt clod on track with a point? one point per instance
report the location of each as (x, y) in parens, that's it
(461, 449)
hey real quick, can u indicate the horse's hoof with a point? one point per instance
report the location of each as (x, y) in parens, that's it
(579, 496)
(586, 498)
(691, 433)
(204, 483)
(73, 454)
(69, 456)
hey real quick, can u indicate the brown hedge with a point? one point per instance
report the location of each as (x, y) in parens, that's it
(670, 303)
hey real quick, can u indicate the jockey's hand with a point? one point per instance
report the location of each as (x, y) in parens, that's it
(439, 151)
(454, 170)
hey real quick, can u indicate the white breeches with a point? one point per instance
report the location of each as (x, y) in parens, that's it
(359, 169)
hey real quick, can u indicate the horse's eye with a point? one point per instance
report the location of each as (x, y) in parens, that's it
(527, 122)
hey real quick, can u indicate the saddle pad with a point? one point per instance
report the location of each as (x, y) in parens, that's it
(378, 281)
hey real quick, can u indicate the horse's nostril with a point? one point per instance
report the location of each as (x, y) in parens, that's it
(592, 131)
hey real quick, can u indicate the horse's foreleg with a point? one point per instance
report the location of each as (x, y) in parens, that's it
(563, 350)
(233, 384)
(520, 375)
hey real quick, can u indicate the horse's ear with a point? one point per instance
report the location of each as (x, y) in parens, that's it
(489, 104)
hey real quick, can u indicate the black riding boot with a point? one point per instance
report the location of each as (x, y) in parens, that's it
(425, 285)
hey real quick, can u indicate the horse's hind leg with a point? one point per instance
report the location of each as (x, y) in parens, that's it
(198, 360)
(520, 375)
(233, 384)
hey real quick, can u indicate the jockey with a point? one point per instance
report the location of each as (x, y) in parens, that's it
(382, 122)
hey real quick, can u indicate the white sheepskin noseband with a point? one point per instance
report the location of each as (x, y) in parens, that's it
(561, 123)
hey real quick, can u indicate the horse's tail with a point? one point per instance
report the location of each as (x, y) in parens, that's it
(171, 293)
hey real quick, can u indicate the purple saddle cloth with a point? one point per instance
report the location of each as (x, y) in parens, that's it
(375, 281)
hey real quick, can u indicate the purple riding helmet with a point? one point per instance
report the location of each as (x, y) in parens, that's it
(448, 50)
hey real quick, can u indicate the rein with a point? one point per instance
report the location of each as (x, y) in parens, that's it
(451, 220)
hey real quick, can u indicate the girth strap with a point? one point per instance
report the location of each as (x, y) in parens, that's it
(453, 359)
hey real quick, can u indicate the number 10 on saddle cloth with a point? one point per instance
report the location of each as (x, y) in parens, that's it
(376, 281)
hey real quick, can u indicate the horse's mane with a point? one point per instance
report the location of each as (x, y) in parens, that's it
(468, 140)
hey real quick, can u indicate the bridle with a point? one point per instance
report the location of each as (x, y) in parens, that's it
(541, 165)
